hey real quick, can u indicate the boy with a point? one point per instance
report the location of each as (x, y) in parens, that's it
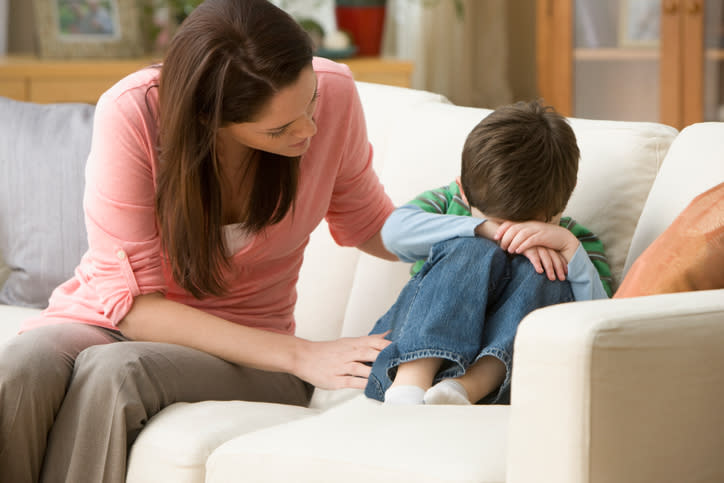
(453, 325)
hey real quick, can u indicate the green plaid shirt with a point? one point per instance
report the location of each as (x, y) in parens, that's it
(448, 200)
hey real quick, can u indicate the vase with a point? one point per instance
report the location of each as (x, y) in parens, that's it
(364, 20)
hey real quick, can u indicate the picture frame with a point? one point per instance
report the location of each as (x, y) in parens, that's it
(639, 23)
(88, 28)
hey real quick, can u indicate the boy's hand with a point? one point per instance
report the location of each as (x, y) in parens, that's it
(547, 260)
(518, 237)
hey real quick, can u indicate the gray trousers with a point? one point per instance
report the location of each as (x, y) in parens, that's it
(74, 397)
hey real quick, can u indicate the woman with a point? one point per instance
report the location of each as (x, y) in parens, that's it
(205, 178)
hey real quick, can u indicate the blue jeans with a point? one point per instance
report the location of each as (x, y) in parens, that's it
(465, 303)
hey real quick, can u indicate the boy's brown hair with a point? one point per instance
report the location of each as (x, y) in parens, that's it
(520, 163)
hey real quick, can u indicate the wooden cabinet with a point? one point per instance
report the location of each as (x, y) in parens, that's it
(45, 81)
(640, 60)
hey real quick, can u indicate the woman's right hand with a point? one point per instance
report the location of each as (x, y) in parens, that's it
(339, 363)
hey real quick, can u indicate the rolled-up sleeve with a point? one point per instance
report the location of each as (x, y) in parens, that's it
(124, 256)
(359, 204)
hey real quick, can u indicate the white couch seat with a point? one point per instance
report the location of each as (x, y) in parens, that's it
(363, 441)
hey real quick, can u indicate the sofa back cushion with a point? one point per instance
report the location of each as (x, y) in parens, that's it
(671, 253)
(4, 271)
(687, 256)
(692, 166)
(325, 280)
(619, 162)
(43, 149)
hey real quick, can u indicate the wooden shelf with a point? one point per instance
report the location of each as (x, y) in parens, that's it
(669, 80)
(28, 78)
(616, 54)
(624, 54)
(714, 54)
(44, 81)
(391, 72)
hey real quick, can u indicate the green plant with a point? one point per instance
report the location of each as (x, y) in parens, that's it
(288, 4)
(182, 8)
(459, 6)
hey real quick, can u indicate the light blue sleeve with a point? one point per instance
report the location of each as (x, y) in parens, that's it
(410, 232)
(583, 277)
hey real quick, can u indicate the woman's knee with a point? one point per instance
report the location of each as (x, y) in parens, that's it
(45, 356)
(121, 373)
(31, 362)
(109, 363)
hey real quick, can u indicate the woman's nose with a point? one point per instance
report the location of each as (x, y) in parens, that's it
(307, 127)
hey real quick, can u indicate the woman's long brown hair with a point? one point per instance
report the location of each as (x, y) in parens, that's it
(224, 64)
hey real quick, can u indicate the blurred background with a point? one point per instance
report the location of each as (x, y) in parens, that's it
(638, 60)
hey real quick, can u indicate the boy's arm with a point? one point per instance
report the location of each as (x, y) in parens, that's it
(410, 232)
(583, 276)
(585, 281)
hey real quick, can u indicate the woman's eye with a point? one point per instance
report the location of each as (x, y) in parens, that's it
(276, 134)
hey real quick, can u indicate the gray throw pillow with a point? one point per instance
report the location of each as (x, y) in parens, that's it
(43, 151)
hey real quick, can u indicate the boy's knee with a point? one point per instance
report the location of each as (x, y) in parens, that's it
(469, 250)
(552, 291)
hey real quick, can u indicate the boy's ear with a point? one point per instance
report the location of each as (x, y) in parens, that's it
(462, 192)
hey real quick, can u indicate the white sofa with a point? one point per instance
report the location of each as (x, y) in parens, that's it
(605, 391)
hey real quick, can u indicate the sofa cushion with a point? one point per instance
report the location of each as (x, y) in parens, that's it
(12, 317)
(688, 256)
(43, 149)
(325, 279)
(174, 445)
(364, 441)
(619, 162)
(4, 271)
(692, 166)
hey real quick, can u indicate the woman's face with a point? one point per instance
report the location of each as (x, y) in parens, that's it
(286, 125)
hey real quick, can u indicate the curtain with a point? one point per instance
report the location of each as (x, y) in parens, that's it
(461, 53)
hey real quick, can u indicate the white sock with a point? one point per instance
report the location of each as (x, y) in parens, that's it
(404, 395)
(447, 391)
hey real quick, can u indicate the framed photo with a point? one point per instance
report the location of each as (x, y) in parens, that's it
(88, 28)
(640, 22)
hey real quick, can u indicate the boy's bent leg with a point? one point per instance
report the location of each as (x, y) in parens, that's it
(34, 371)
(441, 311)
(116, 389)
(526, 292)
(447, 315)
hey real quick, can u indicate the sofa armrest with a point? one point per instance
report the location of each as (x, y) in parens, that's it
(620, 390)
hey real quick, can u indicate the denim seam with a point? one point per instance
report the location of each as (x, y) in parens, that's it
(427, 354)
(376, 388)
(410, 305)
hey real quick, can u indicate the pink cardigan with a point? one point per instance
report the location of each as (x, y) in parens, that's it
(124, 256)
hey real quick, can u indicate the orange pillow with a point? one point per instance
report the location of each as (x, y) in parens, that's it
(688, 255)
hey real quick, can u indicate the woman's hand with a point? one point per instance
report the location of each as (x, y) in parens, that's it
(339, 363)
